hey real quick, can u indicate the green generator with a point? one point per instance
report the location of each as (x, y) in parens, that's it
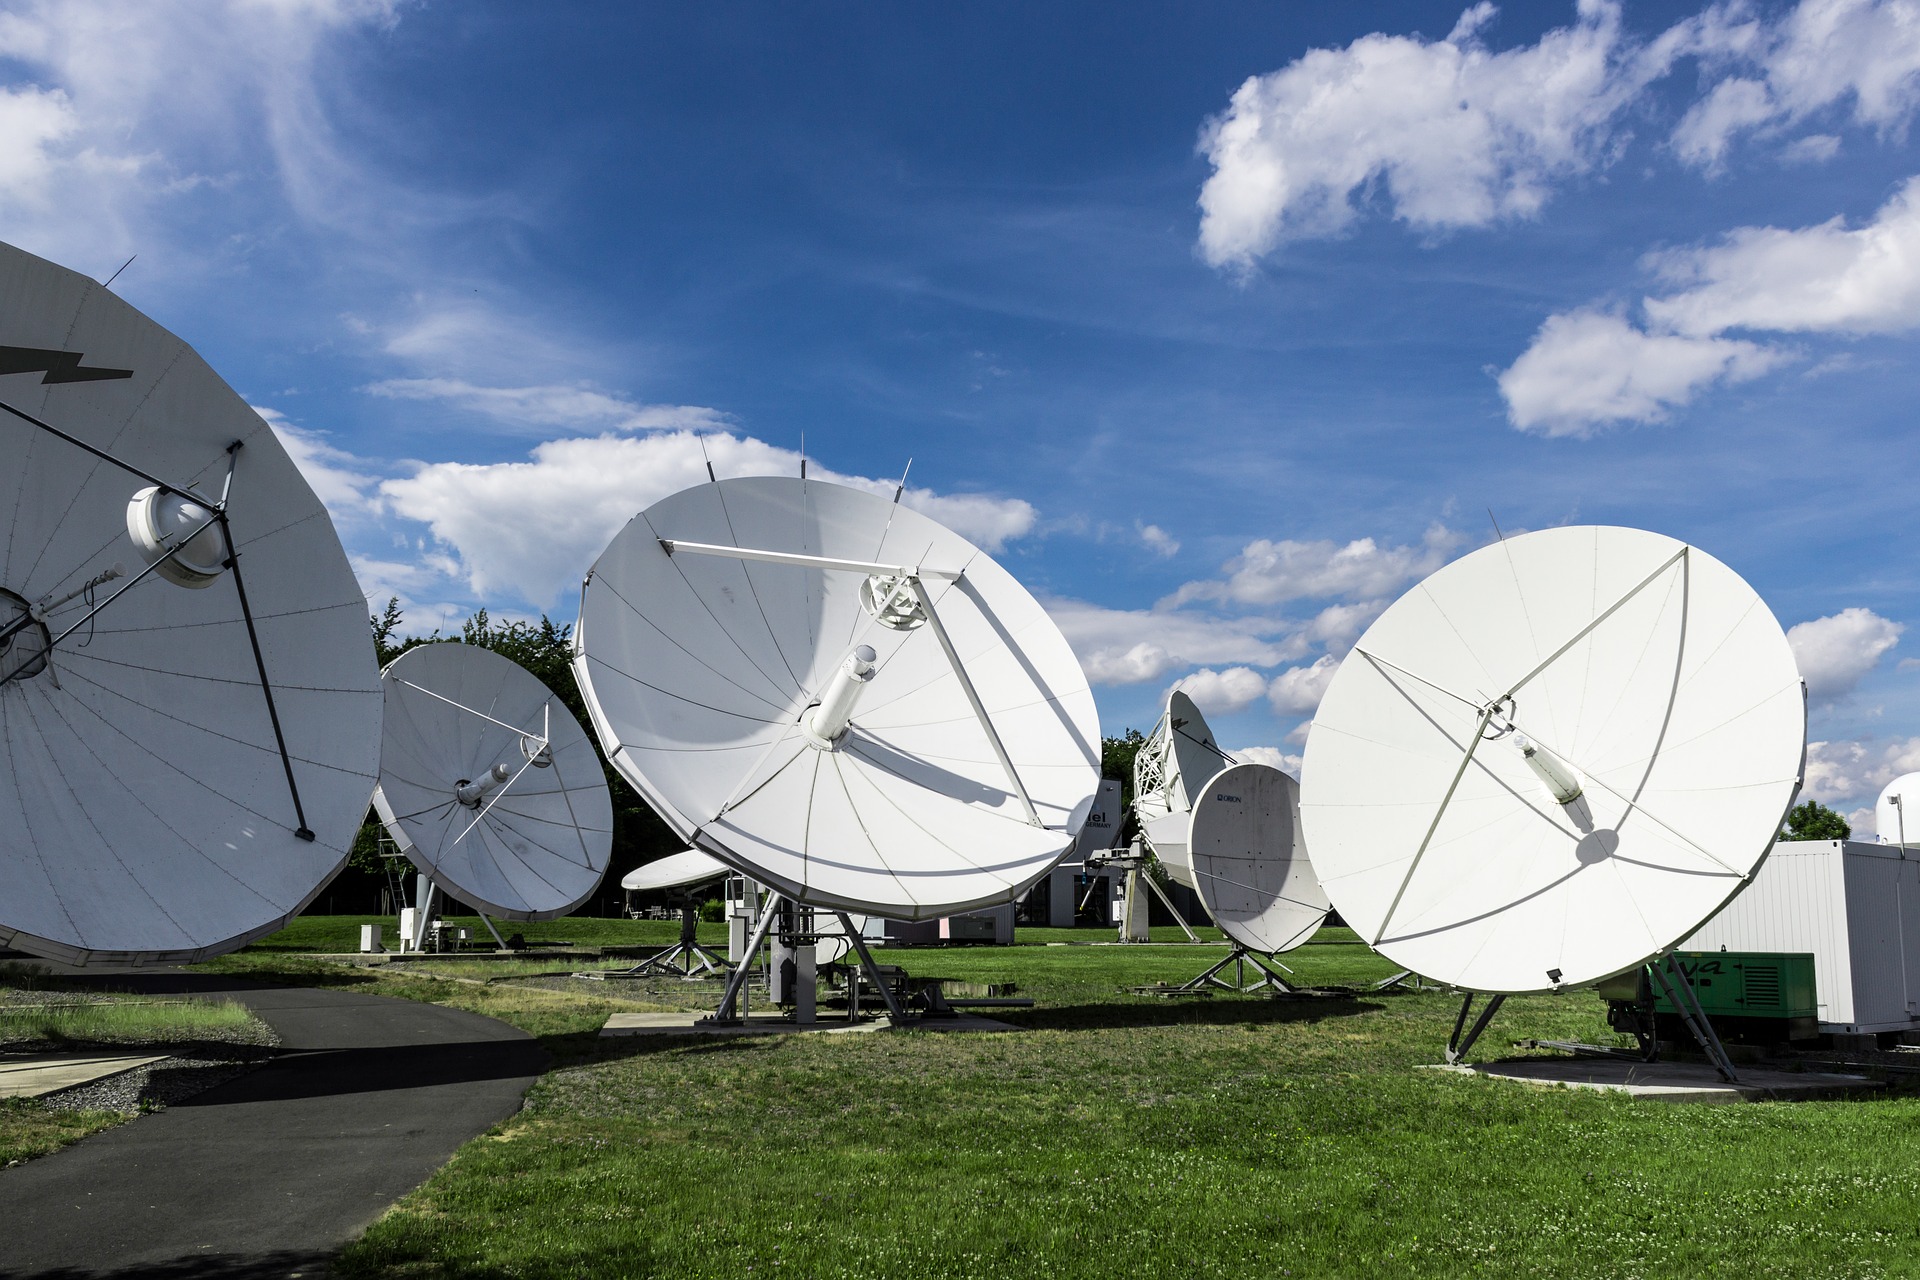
(1771, 993)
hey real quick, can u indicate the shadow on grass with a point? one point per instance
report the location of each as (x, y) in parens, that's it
(1185, 1012)
(277, 1265)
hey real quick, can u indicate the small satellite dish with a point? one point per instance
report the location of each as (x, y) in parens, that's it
(675, 871)
(188, 695)
(489, 785)
(1896, 815)
(837, 696)
(1175, 761)
(1553, 759)
(1249, 861)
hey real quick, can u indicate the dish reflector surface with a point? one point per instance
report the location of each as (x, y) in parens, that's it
(1897, 810)
(1249, 862)
(147, 807)
(702, 671)
(674, 871)
(536, 843)
(1644, 669)
(1171, 767)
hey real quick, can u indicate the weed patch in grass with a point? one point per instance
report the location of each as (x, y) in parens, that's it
(30, 1128)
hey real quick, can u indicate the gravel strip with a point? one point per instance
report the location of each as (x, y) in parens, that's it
(193, 1069)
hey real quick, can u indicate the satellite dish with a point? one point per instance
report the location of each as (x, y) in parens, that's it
(1177, 758)
(1896, 815)
(837, 696)
(675, 871)
(1553, 759)
(489, 785)
(1249, 861)
(187, 690)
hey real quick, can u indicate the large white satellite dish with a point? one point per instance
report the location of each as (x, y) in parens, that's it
(1249, 860)
(489, 785)
(188, 699)
(838, 696)
(1169, 770)
(1553, 759)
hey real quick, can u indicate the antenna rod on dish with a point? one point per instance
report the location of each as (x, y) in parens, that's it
(116, 275)
(1555, 773)
(902, 488)
(828, 723)
(706, 458)
(803, 455)
(1496, 526)
(471, 793)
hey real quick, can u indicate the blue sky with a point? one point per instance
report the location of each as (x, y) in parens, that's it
(1223, 323)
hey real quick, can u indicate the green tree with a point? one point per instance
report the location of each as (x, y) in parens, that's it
(1116, 761)
(1814, 821)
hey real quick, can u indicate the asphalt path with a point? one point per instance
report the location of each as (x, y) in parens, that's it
(270, 1174)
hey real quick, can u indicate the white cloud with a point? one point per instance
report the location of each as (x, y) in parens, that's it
(1297, 691)
(532, 528)
(1338, 625)
(1588, 369)
(1450, 133)
(1850, 772)
(580, 408)
(1268, 572)
(1223, 692)
(1285, 761)
(1819, 278)
(1157, 540)
(1835, 653)
(1821, 54)
(337, 477)
(120, 108)
(1128, 646)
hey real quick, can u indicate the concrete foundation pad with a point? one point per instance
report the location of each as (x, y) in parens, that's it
(1668, 1081)
(33, 1075)
(766, 1024)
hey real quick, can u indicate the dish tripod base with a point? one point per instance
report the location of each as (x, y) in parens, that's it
(1405, 980)
(733, 1010)
(685, 959)
(1265, 978)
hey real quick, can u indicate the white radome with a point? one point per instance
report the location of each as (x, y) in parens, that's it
(734, 695)
(1249, 861)
(145, 797)
(489, 785)
(1553, 759)
(1897, 811)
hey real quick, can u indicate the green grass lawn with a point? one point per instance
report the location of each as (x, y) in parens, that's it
(1119, 1134)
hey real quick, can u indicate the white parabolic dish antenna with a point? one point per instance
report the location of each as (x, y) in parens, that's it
(675, 871)
(489, 785)
(1896, 815)
(1553, 759)
(838, 696)
(189, 737)
(1249, 862)
(1169, 771)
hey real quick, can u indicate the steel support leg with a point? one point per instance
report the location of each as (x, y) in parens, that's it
(872, 970)
(1679, 989)
(725, 1015)
(1458, 1048)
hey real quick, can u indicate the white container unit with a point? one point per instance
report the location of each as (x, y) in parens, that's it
(1856, 907)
